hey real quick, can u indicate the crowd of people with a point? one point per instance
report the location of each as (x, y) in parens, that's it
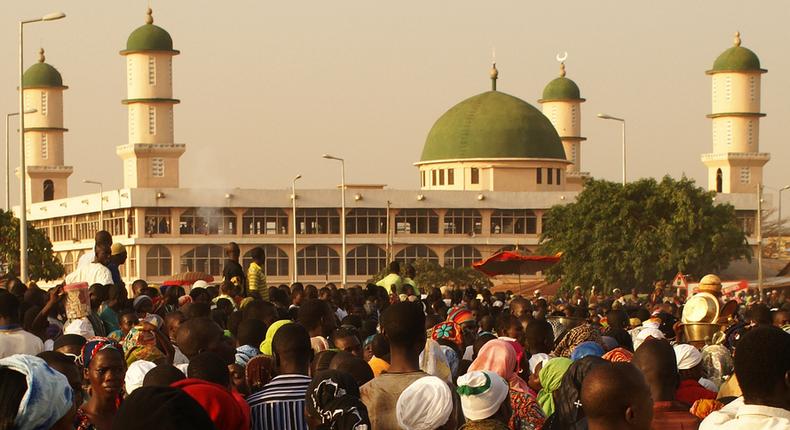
(390, 355)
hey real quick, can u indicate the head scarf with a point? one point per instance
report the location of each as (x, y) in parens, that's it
(645, 333)
(411, 409)
(460, 315)
(519, 353)
(499, 356)
(333, 397)
(448, 330)
(259, 371)
(567, 407)
(619, 355)
(244, 353)
(717, 363)
(550, 378)
(266, 345)
(574, 337)
(609, 343)
(48, 396)
(138, 301)
(94, 346)
(161, 407)
(687, 356)
(434, 362)
(224, 409)
(135, 374)
(537, 359)
(585, 349)
(482, 393)
(140, 344)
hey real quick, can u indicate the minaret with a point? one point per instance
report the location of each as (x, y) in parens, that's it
(47, 176)
(736, 164)
(562, 105)
(150, 159)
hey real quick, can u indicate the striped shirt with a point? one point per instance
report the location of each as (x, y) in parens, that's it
(280, 405)
(256, 280)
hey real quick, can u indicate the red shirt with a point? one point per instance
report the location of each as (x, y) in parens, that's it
(673, 416)
(690, 391)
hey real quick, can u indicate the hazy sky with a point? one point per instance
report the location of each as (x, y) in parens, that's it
(267, 87)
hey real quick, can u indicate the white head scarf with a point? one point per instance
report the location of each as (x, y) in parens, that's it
(48, 397)
(434, 362)
(687, 356)
(482, 393)
(424, 405)
(136, 373)
(645, 333)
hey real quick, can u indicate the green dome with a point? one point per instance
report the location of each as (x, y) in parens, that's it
(737, 58)
(41, 75)
(561, 88)
(492, 125)
(149, 37)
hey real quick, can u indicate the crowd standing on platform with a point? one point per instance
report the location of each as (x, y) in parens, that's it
(390, 355)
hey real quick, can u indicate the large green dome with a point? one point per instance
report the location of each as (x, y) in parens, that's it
(41, 75)
(737, 59)
(492, 125)
(149, 37)
(561, 88)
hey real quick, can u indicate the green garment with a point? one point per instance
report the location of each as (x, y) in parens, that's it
(266, 345)
(550, 378)
(410, 281)
(389, 281)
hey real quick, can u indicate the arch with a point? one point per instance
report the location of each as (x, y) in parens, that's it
(412, 253)
(461, 256)
(318, 260)
(366, 260)
(68, 262)
(277, 263)
(158, 261)
(49, 190)
(204, 258)
(719, 180)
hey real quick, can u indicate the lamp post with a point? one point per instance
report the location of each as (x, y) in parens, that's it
(760, 241)
(622, 121)
(101, 200)
(295, 276)
(342, 216)
(8, 158)
(23, 269)
(781, 221)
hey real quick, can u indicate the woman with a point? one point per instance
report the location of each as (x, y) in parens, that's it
(104, 370)
(548, 380)
(499, 356)
(34, 396)
(568, 412)
(333, 403)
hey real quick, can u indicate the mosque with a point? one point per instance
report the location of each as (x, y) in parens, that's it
(490, 168)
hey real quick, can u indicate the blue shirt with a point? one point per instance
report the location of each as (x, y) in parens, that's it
(280, 405)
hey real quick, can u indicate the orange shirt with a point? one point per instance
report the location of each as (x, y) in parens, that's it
(378, 365)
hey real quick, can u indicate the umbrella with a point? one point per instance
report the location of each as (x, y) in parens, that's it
(513, 263)
(188, 278)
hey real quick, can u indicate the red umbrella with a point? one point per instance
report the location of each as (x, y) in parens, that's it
(513, 263)
(188, 278)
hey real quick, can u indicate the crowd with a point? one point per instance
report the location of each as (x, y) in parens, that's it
(391, 355)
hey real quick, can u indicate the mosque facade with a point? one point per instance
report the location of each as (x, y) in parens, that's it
(490, 169)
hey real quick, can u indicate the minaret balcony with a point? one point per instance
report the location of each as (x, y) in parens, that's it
(727, 156)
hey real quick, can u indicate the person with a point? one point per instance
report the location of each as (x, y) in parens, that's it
(101, 237)
(353, 365)
(392, 279)
(95, 272)
(317, 317)
(117, 259)
(332, 402)
(138, 286)
(689, 362)
(135, 375)
(233, 269)
(655, 358)
(411, 409)
(209, 367)
(549, 378)
(104, 370)
(202, 334)
(568, 410)
(499, 356)
(280, 405)
(256, 275)
(403, 326)
(13, 338)
(411, 273)
(34, 396)
(616, 397)
(67, 367)
(225, 410)
(345, 339)
(163, 375)
(109, 310)
(251, 333)
(762, 366)
(380, 352)
(484, 400)
(575, 336)
(161, 408)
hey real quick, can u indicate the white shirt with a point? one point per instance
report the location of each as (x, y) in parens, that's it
(740, 416)
(18, 341)
(92, 273)
(86, 258)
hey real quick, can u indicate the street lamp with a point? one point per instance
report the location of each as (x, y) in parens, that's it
(295, 276)
(101, 200)
(342, 215)
(614, 118)
(8, 158)
(23, 269)
(780, 221)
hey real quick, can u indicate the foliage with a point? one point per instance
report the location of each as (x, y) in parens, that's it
(431, 274)
(632, 235)
(42, 262)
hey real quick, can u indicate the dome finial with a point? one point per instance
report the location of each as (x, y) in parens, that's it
(41, 57)
(561, 59)
(149, 16)
(737, 40)
(562, 70)
(494, 72)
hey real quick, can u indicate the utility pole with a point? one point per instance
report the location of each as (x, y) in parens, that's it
(760, 241)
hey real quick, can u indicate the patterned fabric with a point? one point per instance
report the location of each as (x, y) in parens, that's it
(82, 421)
(333, 398)
(259, 371)
(703, 407)
(618, 355)
(460, 315)
(280, 405)
(244, 353)
(93, 346)
(574, 337)
(48, 396)
(448, 330)
(527, 414)
(256, 280)
(140, 344)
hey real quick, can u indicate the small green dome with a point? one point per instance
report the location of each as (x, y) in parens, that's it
(492, 125)
(41, 75)
(561, 88)
(149, 37)
(736, 58)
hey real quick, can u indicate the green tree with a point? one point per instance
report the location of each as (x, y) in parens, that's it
(632, 235)
(42, 262)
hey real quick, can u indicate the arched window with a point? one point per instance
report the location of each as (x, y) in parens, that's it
(277, 263)
(49, 190)
(416, 252)
(718, 180)
(463, 221)
(204, 258)
(416, 221)
(514, 221)
(366, 221)
(318, 260)
(318, 221)
(264, 221)
(366, 260)
(68, 262)
(461, 256)
(158, 261)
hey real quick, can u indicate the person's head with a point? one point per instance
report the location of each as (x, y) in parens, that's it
(291, 349)
(655, 358)
(117, 295)
(232, 251)
(173, 321)
(333, 402)
(380, 346)
(104, 368)
(615, 396)
(539, 337)
(98, 294)
(138, 286)
(118, 254)
(403, 325)
(103, 237)
(210, 367)
(69, 344)
(128, 320)
(163, 375)
(317, 317)
(353, 365)
(161, 407)
(258, 255)
(9, 309)
(143, 305)
(483, 394)
(67, 367)
(394, 267)
(202, 334)
(519, 306)
(251, 332)
(617, 319)
(411, 272)
(762, 365)
(200, 295)
(321, 361)
(103, 253)
(347, 340)
(781, 318)
(510, 326)
(426, 403)
(759, 314)
(689, 361)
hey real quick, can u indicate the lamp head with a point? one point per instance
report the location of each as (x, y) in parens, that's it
(53, 16)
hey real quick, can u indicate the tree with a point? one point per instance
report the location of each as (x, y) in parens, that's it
(42, 262)
(632, 235)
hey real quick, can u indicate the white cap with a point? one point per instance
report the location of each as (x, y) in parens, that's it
(687, 356)
(136, 373)
(200, 284)
(482, 393)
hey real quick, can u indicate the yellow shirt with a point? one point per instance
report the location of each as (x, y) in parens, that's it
(256, 280)
(389, 281)
(378, 365)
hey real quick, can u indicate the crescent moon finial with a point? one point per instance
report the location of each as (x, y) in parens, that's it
(563, 57)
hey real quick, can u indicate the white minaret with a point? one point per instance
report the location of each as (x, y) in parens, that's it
(47, 176)
(736, 164)
(150, 159)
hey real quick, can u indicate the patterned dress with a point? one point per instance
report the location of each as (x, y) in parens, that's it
(527, 414)
(82, 421)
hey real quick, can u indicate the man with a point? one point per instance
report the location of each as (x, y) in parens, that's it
(95, 272)
(116, 302)
(411, 273)
(403, 326)
(138, 286)
(348, 341)
(689, 361)
(656, 359)
(117, 259)
(615, 396)
(13, 339)
(101, 237)
(202, 334)
(256, 275)
(393, 279)
(762, 366)
(280, 405)
(233, 269)
(317, 317)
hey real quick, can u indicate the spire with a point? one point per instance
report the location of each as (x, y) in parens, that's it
(494, 72)
(562, 70)
(41, 57)
(737, 40)
(149, 16)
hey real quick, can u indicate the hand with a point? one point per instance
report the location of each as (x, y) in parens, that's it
(55, 294)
